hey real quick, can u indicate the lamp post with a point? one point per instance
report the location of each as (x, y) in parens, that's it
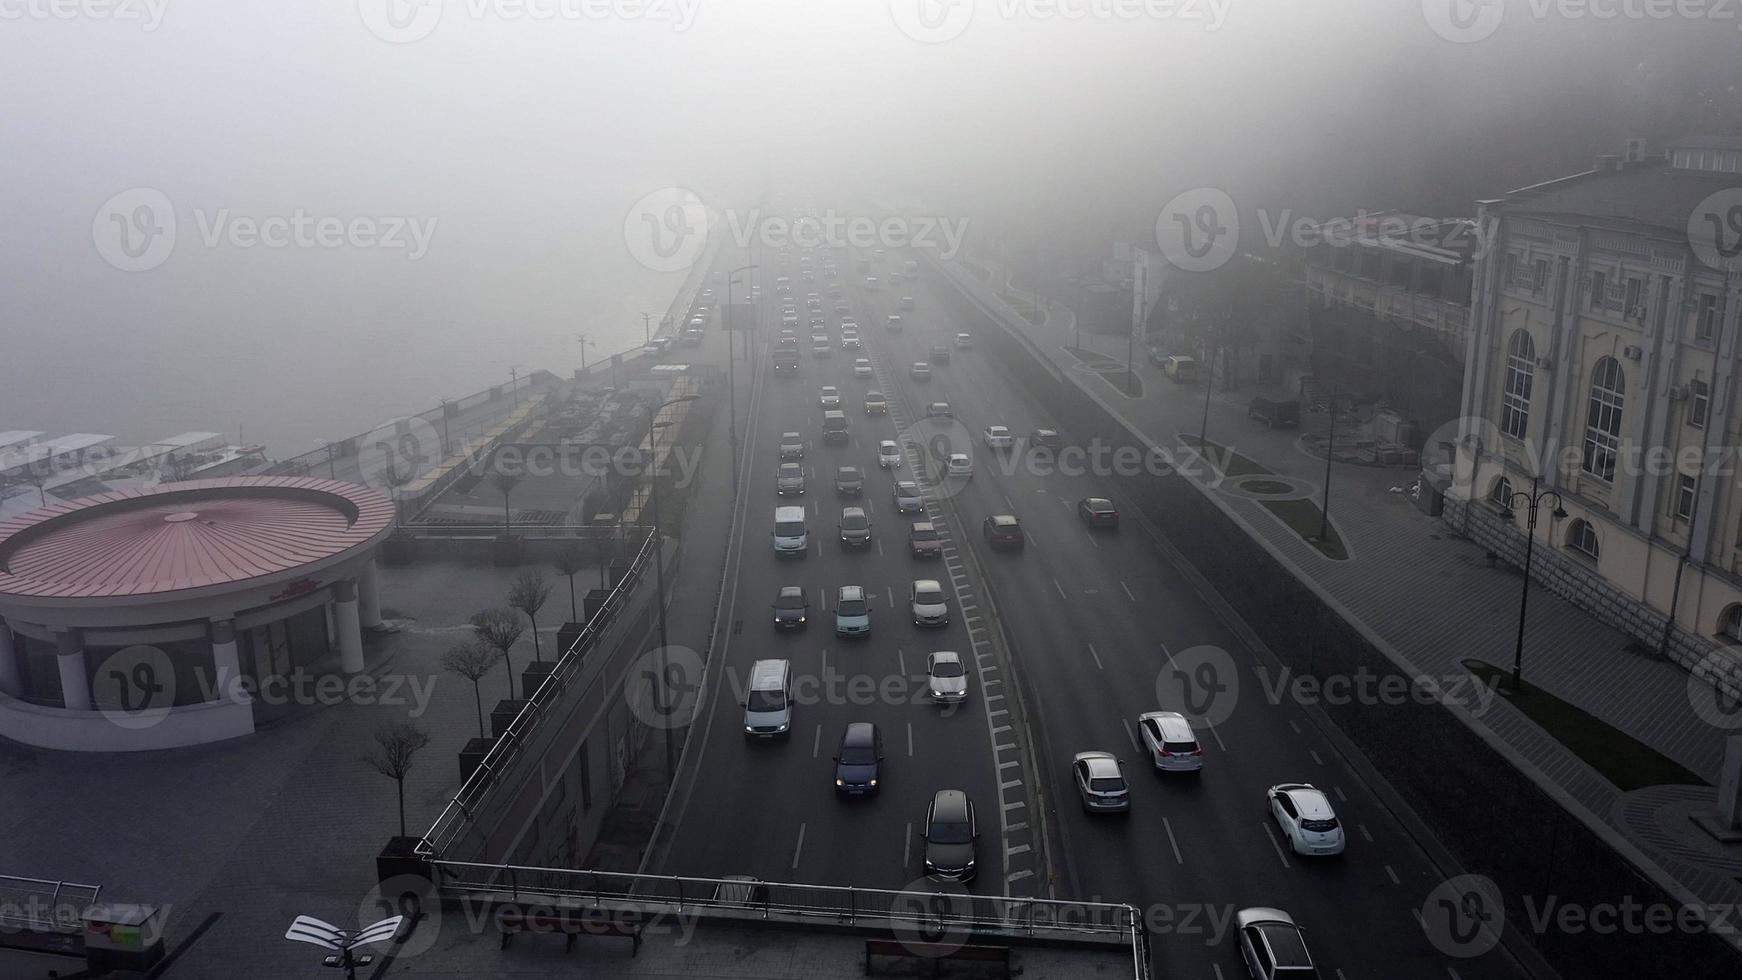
(446, 445)
(332, 469)
(646, 330)
(1330, 447)
(1533, 499)
(308, 929)
(653, 428)
(731, 369)
(581, 339)
(1209, 384)
(514, 383)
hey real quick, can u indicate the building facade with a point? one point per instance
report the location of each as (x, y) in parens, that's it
(1602, 362)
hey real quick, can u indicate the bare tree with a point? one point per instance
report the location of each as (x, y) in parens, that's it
(505, 484)
(569, 562)
(472, 661)
(500, 629)
(396, 743)
(528, 594)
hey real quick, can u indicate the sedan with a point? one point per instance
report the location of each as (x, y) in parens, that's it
(1272, 946)
(940, 354)
(1307, 821)
(789, 479)
(851, 341)
(855, 528)
(859, 760)
(923, 541)
(949, 836)
(921, 371)
(906, 303)
(847, 322)
(907, 497)
(791, 446)
(852, 612)
(996, 437)
(959, 465)
(1004, 531)
(946, 678)
(939, 410)
(928, 604)
(831, 396)
(862, 367)
(1097, 512)
(964, 341)
(791, 608)
(1100, 782)
(849, 482)
(1169, 739)
(888, 454)
(1044, 439)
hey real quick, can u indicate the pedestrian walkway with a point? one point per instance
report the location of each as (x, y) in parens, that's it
(1431, 596)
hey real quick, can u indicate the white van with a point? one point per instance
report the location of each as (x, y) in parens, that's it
(768, 703)
(791, 537)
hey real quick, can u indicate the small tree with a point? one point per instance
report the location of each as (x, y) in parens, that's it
(529, 594)
(569, 562)
(598, 545)
(396, 743)
(472, 661)
(500, 629)
(505, 484)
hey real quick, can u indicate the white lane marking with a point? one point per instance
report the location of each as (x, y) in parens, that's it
(1056, 585)
(1392, 875)
(880, 547)
(1014, 805)
(1018, 875)
(1365, 832)
(901, 661)
(1091, 538)
(799, 847)
(1316, 758)
(907, 846)
(1127, 589)
(1218, 736)
(817, 743)
(1293, 726)
(1341, 796)
(1170, 839)
(1015, 850)
(1097, 657)
(1270, 836)
(1009, 783)
(1131, 735)
(889, 593)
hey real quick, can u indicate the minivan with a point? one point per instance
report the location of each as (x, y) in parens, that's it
(791, 537)
(768, 703)
(1181, 368)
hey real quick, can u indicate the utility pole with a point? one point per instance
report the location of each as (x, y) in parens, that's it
(514, 383)
(646, 330)
(581, 338)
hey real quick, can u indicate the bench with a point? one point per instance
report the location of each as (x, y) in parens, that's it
(570, 925)
(936, 953)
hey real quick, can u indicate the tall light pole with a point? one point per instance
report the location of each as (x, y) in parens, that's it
(646, 330)
(1330, 447)
(514, 383)
(731, 369)
(1533, 499)
(1209, 383)
(653, 428)
(446, 445)
(581, 339)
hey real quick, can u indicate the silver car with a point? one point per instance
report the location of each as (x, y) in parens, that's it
(930, 606)
(907, 498)
(945, 677)
(1100, 780)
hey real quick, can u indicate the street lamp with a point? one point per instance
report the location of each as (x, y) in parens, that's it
(308, 929)
(653, 428)
(581, 338)
(446, 445)
(646, 330)
(332, 470)
(1330, 448)
(1533, 499)
(731, 369)
(514, 383)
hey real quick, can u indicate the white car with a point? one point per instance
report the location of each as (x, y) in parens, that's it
(888, 454)
(939, 410)
(964, 341)
(831, 396)
(997, 437)
(658, 345)
(927, 601)
(1306, 818)
(893, 323)
(907, 497)
(1168, 738)
(848, 323)
(945, 676)
(851, 341)
(959, 465)
(862, 367)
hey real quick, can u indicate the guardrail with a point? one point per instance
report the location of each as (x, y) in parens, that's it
(922, 916)
(37, 905)
(510, 748)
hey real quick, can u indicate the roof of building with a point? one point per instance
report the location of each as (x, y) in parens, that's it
(1649, 194)
(175, 536)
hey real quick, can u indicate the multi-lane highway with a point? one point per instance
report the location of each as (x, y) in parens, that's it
(1091, 621)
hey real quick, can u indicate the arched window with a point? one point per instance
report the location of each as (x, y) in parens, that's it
(1582, 537)
(1520, 374)
(1501, 495)
(1730, 622)
(1603, 418)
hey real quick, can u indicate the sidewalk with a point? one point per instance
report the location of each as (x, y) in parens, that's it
(1431, 596)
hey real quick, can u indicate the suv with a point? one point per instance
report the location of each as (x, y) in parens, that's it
(849, 482)
(791, 446)
(835, 427)
(908, 499)
(949, 837)
(1044, 439)
(852, 611)
(921, 371)
(855, 528)
(923, 541)
(874, 403)
(789, 479)
(1003, 531)
(1169, 739)
(1272, 946)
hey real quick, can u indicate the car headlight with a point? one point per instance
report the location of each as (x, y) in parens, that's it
(801, 619)
(838, 781)
(872, 783)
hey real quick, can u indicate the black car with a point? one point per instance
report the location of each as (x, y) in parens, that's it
(791, 608)
(849, 482)
(1097, 512)
(949, 837)
(859, 762)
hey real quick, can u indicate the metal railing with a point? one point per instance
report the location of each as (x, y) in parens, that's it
(37, 905)
(511, 747)
(923, 916)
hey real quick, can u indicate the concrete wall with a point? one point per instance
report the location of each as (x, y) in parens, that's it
(100, 731)
(1484, 808)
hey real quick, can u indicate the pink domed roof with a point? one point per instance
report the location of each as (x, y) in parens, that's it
(189, 535)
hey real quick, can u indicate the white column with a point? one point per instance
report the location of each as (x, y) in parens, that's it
(347, 626)
(226, 663)
(75, 686)
(11, 682)
(369, 596)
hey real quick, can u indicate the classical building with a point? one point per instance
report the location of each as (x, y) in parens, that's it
(1603, 362)
(184, 612)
